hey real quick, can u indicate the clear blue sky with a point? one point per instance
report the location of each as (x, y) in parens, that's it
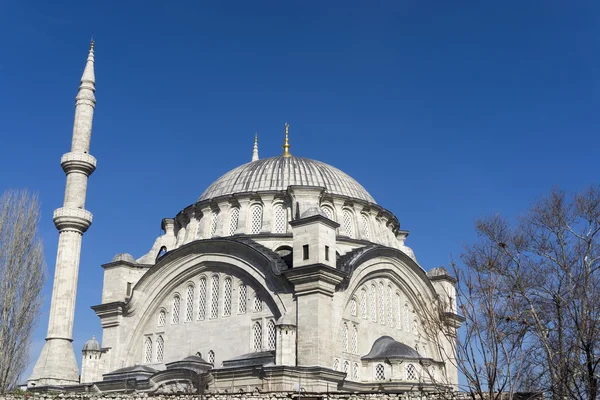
(444, 110)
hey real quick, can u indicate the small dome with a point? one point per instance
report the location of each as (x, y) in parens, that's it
(313, 211)
(91, 345)
(387, 347)
(286, 319)
(124, 257)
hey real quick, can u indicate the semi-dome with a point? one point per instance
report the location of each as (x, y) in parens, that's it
(277, 173)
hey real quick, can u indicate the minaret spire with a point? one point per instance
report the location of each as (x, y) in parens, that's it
(286, 143)
(56, 365)
(255, 149)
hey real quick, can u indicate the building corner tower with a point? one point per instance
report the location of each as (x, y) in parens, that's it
(56, 365)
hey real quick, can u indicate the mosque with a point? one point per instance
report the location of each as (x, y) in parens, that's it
(284, 275)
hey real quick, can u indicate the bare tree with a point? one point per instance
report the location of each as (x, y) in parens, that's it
(22, 277)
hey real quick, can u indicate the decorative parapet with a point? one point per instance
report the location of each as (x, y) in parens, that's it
(76, 219)
(78, 162)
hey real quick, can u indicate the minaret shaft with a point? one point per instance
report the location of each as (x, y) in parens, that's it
(56, 364)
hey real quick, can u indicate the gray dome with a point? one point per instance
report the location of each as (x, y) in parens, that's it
(277, 173)
(387, 347)
(313, 211)
(91, 345)
(124, 257)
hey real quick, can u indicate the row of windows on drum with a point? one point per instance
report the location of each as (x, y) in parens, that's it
(207, 304)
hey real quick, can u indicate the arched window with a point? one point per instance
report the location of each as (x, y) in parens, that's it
(189, 304)
(280, 219)
(363, 303)
(354, 340)
(328, 212)
(353, 306)
(214, 296)
(271, 337)
(379, 372)
(345, 337)
(406, 318)
(257, 304)
(148, 350)
(348, 223)
(398, 311)
(202, 299)
(411, 372)
(415, 327)
(175, 311)
(242, 299)
(160, 349)
(257, 336)
(227, 297)
(234, 219)
(214, 222)
(390, 312)
(381, 304)
(162, 318)
(346, 366)
(256, 219)
(365, 226)
(373, 301)
(355, 371)
(211, 357)
(336, 364)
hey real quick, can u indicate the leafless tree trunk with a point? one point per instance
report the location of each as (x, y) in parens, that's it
(22, 277)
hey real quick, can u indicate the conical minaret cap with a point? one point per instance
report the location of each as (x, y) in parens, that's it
(88, 72)
(255, 149)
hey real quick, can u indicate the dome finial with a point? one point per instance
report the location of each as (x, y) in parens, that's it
(255, 150)
(286, 144)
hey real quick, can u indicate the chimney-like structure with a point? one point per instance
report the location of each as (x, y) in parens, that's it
(56, 365)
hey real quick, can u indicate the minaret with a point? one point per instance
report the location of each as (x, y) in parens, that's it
(255, 150)
(56, 365)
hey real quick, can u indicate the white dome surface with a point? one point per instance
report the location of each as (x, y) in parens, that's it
(277, 173)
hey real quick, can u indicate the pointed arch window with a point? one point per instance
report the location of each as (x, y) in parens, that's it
(202, 299)
(257, 336)
(211, 357)
(363, 303)
(175, 310)
(346, 366)
(234, 219)
(381, 304)
(411, 372)
(345, 337)
(227, 297)
(328, 212)
(348, 223)
(365, 226)
(214, 221)
(379, 372)
(160, 349)
(243, 299)
(189, 304)
(257, 304)
(256, 219)
(398, 311)
(214, 296)
(390, 312)
(271, 336)
(355, 371)
(280, 218)
(406, 318)
(373, 301)
(353, 306)
(336, 364)
(162, 318)
(148, 350)
(354, 340)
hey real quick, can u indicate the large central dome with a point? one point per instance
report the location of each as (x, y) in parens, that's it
(277, 173)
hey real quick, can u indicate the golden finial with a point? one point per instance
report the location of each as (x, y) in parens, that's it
(286, 144)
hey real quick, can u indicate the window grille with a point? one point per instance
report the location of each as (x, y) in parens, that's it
(390, 312)
(398, 311)
(345, 337)
(365, 224)
(354, 340)
(160, 349)
(280, 219)
(363, 303)
(148, 350)
(373, 300)
(379, 372)
(256, 224)
(243, 299)
(381, 304)
(214, 297)
(415, 327)
(353, 306)
(411, 372)
(176, 305)
(336, 364)
(271, 337)
(406, 318)
(348, 223)
(211, 357)
(189, 304)
(227, 297)
(234, 220)
(328, 213)
(202, 299)
(257, 307)
(162, 318)
(214, 222)
(346, 366)
(355, 371)
(257, 336)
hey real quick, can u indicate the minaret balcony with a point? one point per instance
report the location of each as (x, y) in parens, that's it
(78, 162)
(72, 219)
